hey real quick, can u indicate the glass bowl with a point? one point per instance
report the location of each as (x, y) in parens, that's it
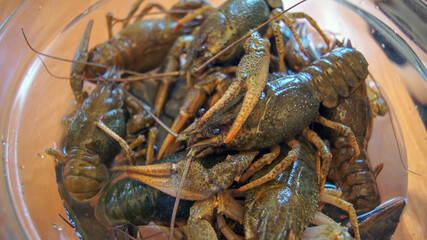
(33, 103)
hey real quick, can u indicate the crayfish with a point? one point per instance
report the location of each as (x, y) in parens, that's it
(256, 142)
(88, 149)
(223, 27)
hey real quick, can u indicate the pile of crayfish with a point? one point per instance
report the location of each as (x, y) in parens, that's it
(224, 122)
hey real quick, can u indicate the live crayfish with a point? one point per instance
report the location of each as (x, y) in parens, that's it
(128, 49)
(209, 187)
(220, 29)
(264, 129)
(352, 69)
(283, 207)
(287, 205)
(129, 201)
(300, 178)
(282, 105)
(357, 179)
(91, 143)
(88, 149)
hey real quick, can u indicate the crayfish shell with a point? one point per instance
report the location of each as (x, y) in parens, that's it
(286, 205)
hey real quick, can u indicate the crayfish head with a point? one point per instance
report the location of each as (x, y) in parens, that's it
(207, 136)
(212, 132)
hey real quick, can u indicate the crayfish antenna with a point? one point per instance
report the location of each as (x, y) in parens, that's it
(189, 157)
(396, 130)
(137, 76)
(59, 58)
(143, 106)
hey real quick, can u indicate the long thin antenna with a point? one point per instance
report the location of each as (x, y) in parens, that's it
(65, 220)
(190, 157)
(138, 77)
(86, 63)
(393, 123)
(142, 77)
(150, 113)
(50, 73)
(161, 123)
(59, 58)
(170, 11)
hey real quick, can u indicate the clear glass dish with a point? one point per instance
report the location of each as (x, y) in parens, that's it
(33, 104)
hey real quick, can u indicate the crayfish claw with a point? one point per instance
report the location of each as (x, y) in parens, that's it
(77, 68)
(251, 75)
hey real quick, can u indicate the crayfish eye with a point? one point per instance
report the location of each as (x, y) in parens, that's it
(215, 131)
(201, 112)
(201, 50)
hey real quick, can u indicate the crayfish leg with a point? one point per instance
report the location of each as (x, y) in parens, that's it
(346, 206)
(170, 64)
(202, 214)
(57, 154)
(140, 116)
(192, 102)
(318, 166)
(279, 45)
(129, 152)
(287, 21)
(225, 229)
(313, 23)
(279, 168)
(344, 130)
(266, 159)
(131, 15)
(152, 137)
(324, 153)
(144, 11)
(193, 15)
(137, 143)
(77, 68)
